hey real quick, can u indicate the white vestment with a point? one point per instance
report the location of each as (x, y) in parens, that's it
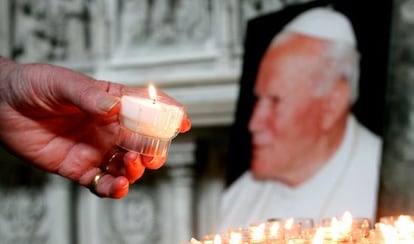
(348, 182)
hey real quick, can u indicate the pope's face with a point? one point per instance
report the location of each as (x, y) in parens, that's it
(286, 121)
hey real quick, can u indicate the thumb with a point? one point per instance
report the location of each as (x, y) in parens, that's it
(86, 93)
(98, 97)
(107, 104)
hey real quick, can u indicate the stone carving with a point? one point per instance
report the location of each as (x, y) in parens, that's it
(78, 30)
(31, 32)
(52, 30)
(164, 23)
(133, 218)
(23, 217)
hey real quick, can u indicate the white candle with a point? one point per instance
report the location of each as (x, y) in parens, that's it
(148, 124)
(150, 117)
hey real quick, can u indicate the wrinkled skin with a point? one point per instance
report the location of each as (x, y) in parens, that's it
(65, 123)
(295, 128)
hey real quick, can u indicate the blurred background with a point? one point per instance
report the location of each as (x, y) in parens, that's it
(193, 50)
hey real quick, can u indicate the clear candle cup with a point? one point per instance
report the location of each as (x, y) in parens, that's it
(148, 123)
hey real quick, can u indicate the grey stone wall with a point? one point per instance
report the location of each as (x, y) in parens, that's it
(397, 174)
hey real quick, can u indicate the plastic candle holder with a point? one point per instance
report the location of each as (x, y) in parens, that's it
(148, 123)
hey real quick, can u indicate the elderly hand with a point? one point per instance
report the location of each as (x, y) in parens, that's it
(66, 123)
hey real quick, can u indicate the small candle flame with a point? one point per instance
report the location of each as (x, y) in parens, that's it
(319, 236)
(257, 232)
(217, 239)
(274, 229)
(401, 231)
(338, 230)
(289, 223)
(152, 93)
(235, 238)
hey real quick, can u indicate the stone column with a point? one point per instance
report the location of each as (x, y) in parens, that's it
(397, 181)
(180, 205)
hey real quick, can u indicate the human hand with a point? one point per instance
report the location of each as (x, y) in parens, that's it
(66, 123)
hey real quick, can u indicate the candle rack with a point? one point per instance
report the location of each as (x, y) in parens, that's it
(345, 230)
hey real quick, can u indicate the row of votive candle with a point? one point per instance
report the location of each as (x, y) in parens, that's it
(389, 230)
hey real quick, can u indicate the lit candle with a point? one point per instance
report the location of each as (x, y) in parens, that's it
(292, 230)
(149, 116)
(217, 239)
(235, 238)
(257, 233)
(236, 235)
(400, 231)
(148, 124)
(319, 236)
(274, 231)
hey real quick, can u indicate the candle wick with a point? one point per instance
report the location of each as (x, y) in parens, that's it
(153, 101)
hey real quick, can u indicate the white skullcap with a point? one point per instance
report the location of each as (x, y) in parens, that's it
(323, 23)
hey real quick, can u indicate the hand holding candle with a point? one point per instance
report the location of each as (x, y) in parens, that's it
(146, 124)
(69, 125)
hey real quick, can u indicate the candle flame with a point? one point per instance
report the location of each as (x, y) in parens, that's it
(404, 225)
(235, 238)
(319, 236)
(401, 229)
(289, 223)
(152, 92)
(217, 239)
(338, 230)
(258, 232)
(347, 219)
(274, 229)
(389, 233)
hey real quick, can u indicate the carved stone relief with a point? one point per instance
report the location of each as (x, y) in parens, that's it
(130, 220)
(80, 30)
(34, 206)
(164, 23)
(59, 30)
(23, 207)
(152, 32)
(23, 217)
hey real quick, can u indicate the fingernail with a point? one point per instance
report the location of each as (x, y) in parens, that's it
(108, 103)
